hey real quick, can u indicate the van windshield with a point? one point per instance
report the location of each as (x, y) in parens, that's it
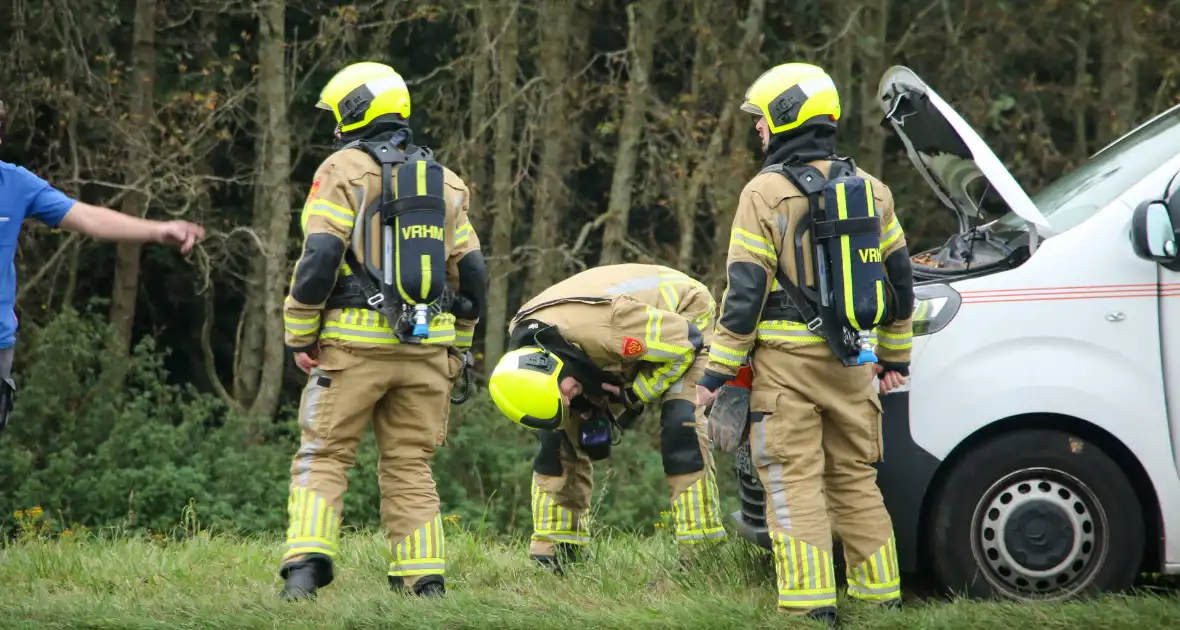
(1077, 195)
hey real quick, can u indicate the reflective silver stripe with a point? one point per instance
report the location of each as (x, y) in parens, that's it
(297, 543)
(853, 587)
(303, 327)
(634, 284)
(754, 246)
(344, 217)
(352, 332)
(778, 495)
(562, 537)
(809, 598)
(720, 533)
(719, 351)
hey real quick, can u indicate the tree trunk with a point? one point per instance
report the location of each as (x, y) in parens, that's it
(501, 264)
(1120, 65)
(125, 291)
(641, 36)
(843, 53)
(739, 73)
(873, 57)
(273, 218)
(480, 98)
(559, 60)
(1082, 85)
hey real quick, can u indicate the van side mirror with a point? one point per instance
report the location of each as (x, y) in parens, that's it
(1153, 236)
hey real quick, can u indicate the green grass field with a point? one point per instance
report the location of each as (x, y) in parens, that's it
(211, 581)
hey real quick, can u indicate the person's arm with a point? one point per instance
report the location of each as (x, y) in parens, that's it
(895, 340)
(327, 220)
(750, 273)
(468, 266)
(110, 225)
(664, 342)
(56, 209)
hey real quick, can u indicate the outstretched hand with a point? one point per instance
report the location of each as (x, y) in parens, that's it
(182, 234)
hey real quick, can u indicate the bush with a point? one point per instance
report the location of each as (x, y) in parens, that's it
(140, 455)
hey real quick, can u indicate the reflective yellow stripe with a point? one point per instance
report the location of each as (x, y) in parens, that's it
(877, 578)
(675, 359)
(423, 552)
(880, 285)
(462, 234)
(425, 292)
(314, 527)
(805, 573)
(846, 258)
(891, 234)
(696, 513)
(754, 243)
(301, 325)
(892, 341)
(368, 326)
(338, 214)
(726, 355)
(785, 330)
(463, 338)
(552, 521)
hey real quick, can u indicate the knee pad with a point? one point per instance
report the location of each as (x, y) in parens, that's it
(679, 445)
(548, 458)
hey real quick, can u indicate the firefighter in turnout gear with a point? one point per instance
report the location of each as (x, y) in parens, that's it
(382, 305)
(616, 337)
(817, 262)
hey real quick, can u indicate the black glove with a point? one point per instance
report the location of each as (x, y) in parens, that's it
(628, 398)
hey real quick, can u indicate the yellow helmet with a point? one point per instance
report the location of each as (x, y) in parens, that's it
(790, 94)
(526, 386)
(363, 91)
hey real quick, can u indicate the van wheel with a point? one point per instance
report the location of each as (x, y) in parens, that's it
(1036, 515)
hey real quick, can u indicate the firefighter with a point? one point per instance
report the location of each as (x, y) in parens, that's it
(612, 338)
(25, 195)
(815, 415)
(384, 298)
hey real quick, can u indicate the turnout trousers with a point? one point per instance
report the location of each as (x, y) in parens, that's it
(815, 432)
(562, 478)
(404, 392)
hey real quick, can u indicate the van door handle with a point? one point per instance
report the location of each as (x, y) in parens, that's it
(1115, 316)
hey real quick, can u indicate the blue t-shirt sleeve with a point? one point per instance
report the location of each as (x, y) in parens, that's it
(45, 203)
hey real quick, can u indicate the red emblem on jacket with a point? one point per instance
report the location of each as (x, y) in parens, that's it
(315, 186)
(632, 346)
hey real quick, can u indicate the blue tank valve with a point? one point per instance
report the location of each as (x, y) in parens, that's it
(421, 328)
(866, 350)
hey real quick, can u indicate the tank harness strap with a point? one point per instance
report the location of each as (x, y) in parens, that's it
(801, 302)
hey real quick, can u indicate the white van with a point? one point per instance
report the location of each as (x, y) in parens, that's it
(1034, 455)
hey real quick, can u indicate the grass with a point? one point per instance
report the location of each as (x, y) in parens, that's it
(224, 581)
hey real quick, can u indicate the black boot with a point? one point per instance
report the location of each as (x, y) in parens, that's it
(565, 554)
(304, 577)
(426, 586)
(827, 614)
(893, 604)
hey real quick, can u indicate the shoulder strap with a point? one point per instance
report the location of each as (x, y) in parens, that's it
(810, 181)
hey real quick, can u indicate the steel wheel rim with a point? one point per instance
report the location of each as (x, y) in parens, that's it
(1067, 499)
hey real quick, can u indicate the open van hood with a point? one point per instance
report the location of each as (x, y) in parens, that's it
(953, 159)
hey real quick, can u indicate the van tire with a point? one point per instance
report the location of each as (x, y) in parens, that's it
(1035, 514)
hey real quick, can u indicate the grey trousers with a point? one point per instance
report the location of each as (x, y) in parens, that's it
(6, 362)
